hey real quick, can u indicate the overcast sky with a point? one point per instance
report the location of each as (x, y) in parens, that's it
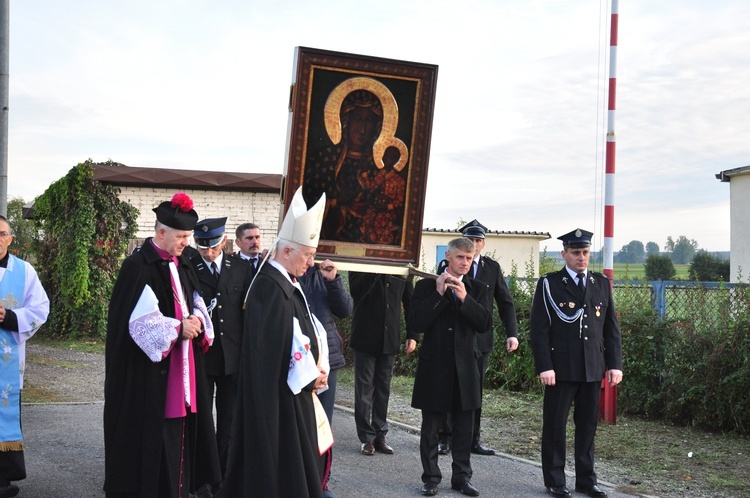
(519, 124)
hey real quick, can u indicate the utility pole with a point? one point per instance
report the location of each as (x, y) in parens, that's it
(4, 73)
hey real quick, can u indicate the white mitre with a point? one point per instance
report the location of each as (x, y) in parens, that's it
(300, 224)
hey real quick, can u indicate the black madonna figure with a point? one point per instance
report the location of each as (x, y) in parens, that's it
(362, 172)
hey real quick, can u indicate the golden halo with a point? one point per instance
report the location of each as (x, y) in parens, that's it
(387, 137)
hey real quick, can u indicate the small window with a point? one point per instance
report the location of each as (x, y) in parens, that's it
(440, 254)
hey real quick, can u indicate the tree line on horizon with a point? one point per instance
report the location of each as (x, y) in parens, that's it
(704, 266)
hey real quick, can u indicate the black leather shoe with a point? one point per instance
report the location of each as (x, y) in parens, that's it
(466, 488)
(429, 488)
(367, 449)
(444, 448)
(592, 491)
(481, 450)
(9, 491)
(559, 491)
(382, 447)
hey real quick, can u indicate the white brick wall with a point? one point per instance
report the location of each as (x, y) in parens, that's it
(261, 208)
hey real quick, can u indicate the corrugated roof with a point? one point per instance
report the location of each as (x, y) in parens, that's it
(119, 174)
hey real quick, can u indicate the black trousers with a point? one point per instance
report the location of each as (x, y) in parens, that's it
(226, 394)
(557, 402)
(446, 429)
(372, 390)
(12, 463)
(482, 364)
(428, 441)
(12, 467)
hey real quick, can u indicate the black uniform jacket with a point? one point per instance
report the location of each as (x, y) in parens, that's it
(489, 273)
(449, 347)
(274, 445)
(578, 349)
(135, 387)
(223, 357)
(376, 320)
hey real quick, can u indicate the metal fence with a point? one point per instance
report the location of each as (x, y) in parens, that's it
(700, 302)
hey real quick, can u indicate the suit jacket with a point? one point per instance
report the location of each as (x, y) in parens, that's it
(223, 358)
(577, 337)
(449, 348)
(489, 272)
(376, 321)
(252, 269)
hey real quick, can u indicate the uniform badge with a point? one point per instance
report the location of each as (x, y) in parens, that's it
(571, 305)
(597, 310)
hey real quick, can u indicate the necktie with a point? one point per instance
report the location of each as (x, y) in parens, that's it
(215, 270)
(581, 288)
(473, 269)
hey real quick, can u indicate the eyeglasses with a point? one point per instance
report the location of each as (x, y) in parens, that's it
(307, 257)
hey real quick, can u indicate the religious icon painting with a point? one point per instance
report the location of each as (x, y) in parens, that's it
(359, 132)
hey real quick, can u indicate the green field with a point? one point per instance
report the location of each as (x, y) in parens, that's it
(636, 272)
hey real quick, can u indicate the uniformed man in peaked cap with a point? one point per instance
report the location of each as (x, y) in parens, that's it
(224, 281)
(575, 338)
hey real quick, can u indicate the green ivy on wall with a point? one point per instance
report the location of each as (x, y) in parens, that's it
(86, 231)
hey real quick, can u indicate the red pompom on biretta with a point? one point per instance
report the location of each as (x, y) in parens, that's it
(177, 213)
(182, 201)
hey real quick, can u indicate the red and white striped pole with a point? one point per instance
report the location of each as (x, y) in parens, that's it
(609, 182)
(608, 403)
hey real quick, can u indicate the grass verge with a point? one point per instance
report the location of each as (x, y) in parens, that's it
(36, 393)
(39, 394)
(84, 345)
(639, 456)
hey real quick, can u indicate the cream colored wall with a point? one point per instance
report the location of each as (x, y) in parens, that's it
(509, 249)
(261, 208)
(739, 261)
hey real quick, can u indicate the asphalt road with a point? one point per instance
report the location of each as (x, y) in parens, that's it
(65, 459)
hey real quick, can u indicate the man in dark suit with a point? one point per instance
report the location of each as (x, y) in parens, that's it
(450, 312)
(375, 340)
(488, 271)
(575, 338)
(223, 283)
(248, 241)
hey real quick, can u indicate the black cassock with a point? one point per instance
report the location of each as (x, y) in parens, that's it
(135, 388)
(274, 444)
